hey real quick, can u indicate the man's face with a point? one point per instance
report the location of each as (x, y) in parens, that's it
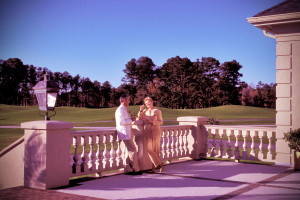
(127, 101)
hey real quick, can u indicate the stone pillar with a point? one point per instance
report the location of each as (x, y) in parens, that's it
(46, 154)
(199, 135)
(141, 142)
(287, 91)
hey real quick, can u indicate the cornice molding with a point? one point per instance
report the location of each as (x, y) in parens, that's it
(266, 22)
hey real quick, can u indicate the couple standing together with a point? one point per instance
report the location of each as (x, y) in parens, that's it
(152, 118)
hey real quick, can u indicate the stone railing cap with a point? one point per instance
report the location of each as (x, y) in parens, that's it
(43, 125)
(192, 119)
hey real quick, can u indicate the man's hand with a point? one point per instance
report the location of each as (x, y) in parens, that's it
(133, 118)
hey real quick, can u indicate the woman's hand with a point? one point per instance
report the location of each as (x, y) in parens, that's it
(142, 108)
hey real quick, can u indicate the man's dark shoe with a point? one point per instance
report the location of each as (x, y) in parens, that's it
(134, 173)
(129, 173)
(138, 173)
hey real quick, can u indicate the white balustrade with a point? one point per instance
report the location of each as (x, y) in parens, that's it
(107, 152)
(97, 151)
(101, 157)
(175, 142)
(250, 143)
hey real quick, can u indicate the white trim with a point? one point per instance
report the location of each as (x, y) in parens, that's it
(271, 19)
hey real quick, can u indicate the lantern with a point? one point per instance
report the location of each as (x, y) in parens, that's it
(46, 93)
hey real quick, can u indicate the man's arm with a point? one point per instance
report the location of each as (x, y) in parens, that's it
(125, 118)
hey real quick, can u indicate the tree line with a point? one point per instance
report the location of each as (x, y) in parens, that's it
(179, 83)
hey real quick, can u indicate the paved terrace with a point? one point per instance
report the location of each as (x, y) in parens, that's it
(206, 179)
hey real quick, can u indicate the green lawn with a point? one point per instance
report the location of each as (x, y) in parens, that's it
(9, 135)
(14, 115)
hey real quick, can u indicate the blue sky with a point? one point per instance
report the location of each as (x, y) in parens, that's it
(96, 38)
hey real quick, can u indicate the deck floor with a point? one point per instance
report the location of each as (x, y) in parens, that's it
(206, 179)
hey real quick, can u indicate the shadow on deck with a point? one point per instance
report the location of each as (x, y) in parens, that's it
(206, 179)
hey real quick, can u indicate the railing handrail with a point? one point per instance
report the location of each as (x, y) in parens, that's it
(94, 131)
(235, 127)
(12, 146)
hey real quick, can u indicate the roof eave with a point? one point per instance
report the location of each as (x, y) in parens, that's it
(266, 22)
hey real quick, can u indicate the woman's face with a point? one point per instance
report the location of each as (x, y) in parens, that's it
(149, 103)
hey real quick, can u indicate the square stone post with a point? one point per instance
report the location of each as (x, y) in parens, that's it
(287, 90)
(46, 154)
(199, 139)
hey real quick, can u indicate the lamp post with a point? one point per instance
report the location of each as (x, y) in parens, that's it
(46, 93)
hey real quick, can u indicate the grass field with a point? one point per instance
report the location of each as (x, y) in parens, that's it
(15, 115)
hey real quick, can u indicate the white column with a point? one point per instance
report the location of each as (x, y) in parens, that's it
(199, 134)
(46, 154)
(287, 92)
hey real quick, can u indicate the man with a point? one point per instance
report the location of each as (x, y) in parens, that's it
(125, 133)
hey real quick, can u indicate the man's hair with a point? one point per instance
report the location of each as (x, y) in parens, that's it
(123, 97)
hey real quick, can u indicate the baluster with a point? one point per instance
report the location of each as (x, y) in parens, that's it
(106, 152)
(221, 133)
(162, 149)
(209, 142)
(181, 144)
(245, 152)
(169, 145)
(186, 142)
(229, 150)
(75, 167)
(206, 142)
(92, 156)
(173, 144)
(213, 150)
(237, 152)
(166, 144)
(84, 156)
(253, 154)
(177, 144)
(112, 154)
(261, 148)
(119, 153)
(269, 154)
(99, 155)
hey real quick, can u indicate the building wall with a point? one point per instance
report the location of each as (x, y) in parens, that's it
(288, 86)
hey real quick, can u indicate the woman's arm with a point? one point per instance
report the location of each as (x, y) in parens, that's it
(141, 114)
(159, 120)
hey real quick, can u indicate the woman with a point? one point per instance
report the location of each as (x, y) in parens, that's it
(152, 119)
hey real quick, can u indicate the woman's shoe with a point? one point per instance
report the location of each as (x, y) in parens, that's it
(153, 169)
(161, 167)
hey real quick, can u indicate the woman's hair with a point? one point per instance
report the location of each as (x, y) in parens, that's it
(148, 98)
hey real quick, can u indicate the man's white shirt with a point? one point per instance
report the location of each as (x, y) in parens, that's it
(123, 123)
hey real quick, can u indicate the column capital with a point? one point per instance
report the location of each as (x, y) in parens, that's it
(194, 119)
(46, 125)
